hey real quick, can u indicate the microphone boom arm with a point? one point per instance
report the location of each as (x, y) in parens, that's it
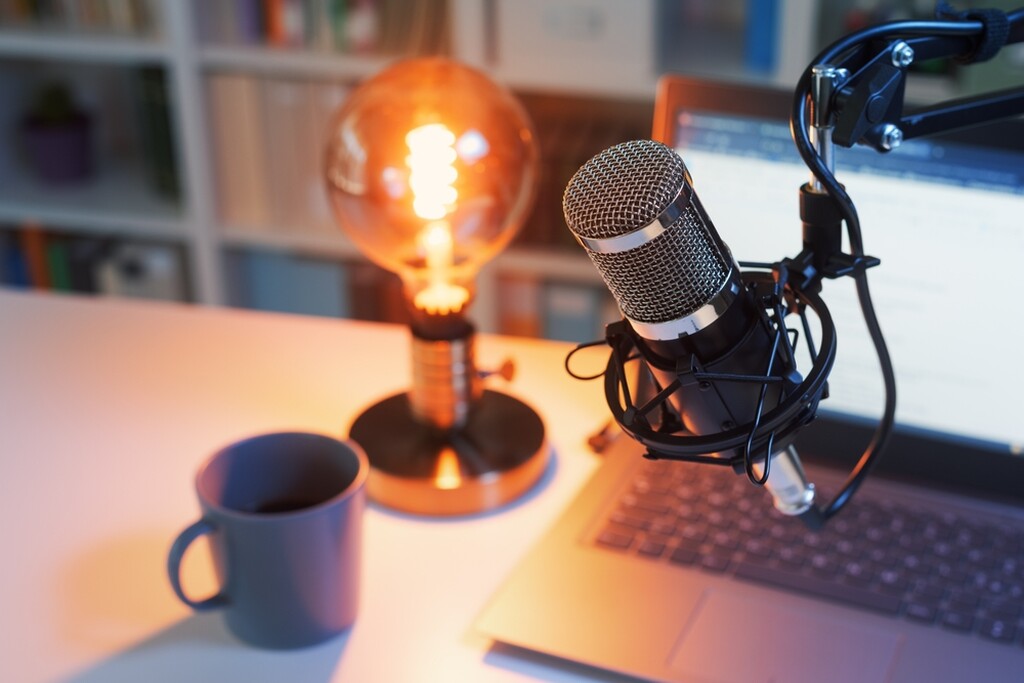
(868, 102)
(853, 93)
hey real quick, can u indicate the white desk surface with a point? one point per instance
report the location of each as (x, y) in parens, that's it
(108, 407)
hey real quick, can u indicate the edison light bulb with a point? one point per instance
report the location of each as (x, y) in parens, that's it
(431, 169)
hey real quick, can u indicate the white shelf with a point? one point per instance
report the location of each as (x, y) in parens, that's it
(271, 61)
(98, 47)
(331, 245)
(118, 198)
(561, 264)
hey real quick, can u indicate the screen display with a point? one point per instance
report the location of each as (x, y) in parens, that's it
(946, 221)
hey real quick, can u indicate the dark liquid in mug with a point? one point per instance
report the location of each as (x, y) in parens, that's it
(280, 505)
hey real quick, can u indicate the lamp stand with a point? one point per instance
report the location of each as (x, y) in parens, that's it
(448, 446)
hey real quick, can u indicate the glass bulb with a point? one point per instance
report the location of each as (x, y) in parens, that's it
(431, 169)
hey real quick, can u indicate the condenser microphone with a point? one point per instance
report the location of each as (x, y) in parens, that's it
(634, 210)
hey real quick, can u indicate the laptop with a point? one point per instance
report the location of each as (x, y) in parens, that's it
(668, 571)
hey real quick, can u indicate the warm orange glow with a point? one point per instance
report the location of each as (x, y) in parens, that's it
(437, 245)
(432, 175)
(447, 475)
(440, 296)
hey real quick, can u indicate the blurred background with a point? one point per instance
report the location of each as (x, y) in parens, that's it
(172, 149)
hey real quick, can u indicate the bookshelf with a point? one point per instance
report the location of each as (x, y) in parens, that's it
(206, 117)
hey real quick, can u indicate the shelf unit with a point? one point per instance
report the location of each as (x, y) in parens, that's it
(597, 50)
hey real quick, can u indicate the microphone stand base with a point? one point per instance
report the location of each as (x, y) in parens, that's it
(495, 457)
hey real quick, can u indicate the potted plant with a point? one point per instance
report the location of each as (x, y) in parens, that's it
(58, 136)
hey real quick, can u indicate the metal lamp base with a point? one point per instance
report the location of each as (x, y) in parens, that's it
(495, 457)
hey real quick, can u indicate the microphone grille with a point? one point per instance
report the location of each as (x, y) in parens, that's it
(623, 189)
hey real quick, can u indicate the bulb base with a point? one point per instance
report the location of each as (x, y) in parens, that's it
(495, 456)
(445, 383)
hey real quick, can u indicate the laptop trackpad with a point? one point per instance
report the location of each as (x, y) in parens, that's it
(751, 640)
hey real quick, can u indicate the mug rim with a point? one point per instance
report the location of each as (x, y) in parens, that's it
(357, 484)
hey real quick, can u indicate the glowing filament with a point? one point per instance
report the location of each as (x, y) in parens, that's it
(440, 296)
(432, 177)
(432, 174)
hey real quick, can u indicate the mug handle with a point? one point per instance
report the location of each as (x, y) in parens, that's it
(181, 543)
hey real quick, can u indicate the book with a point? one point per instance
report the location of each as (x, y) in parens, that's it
(239, 151)
(320, 26)
(571, 312)
(519, 302)
(158, 145)
(376, 294)
(14, 269)
(285, 22)
(326, 98)
(761, 35)
(293, 159)
(320, 287)
(33, 247)
(58, 264)
(337, 16)
(286, 283)
(249, 27)
(362, 26)
(262, 272)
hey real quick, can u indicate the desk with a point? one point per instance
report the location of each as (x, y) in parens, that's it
(108, 407)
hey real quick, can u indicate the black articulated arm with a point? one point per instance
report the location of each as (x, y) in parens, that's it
(852, 93)
(868, 104)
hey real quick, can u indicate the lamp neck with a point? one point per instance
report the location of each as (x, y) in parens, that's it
(445, 382)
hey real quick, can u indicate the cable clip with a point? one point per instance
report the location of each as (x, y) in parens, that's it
(993, 36)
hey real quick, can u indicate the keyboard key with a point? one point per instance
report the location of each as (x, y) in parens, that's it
(683, 556)
(651, 548)
(857, 573)
(998, 630)
(1009, 610)
(893, 582)
(958, 621)
(930, 590)
(715, 562)
(664, 527)
(921, 612)
(831, 590)
(756, 547)
(614, 539)
(627, 519)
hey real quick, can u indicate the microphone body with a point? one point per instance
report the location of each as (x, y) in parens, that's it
(635, 212)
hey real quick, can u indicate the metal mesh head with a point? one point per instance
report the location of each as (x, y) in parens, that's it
(625, 188)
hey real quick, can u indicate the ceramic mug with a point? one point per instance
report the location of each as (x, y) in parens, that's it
(283, 514)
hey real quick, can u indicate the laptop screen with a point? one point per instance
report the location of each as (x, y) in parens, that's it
(944, 217)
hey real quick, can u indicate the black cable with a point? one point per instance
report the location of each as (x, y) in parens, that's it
(799, 123)
(579, 347)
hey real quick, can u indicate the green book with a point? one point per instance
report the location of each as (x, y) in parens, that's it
(60, 267)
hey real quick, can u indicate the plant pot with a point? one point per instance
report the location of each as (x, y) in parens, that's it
(59, 152)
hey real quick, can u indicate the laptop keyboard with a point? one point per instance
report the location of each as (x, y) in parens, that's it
(945, 569)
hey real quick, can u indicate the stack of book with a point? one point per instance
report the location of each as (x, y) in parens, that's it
(295, 283)
(539, 306)
(349, 26)
(268, 137)
(34, 258)
(122, 17)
